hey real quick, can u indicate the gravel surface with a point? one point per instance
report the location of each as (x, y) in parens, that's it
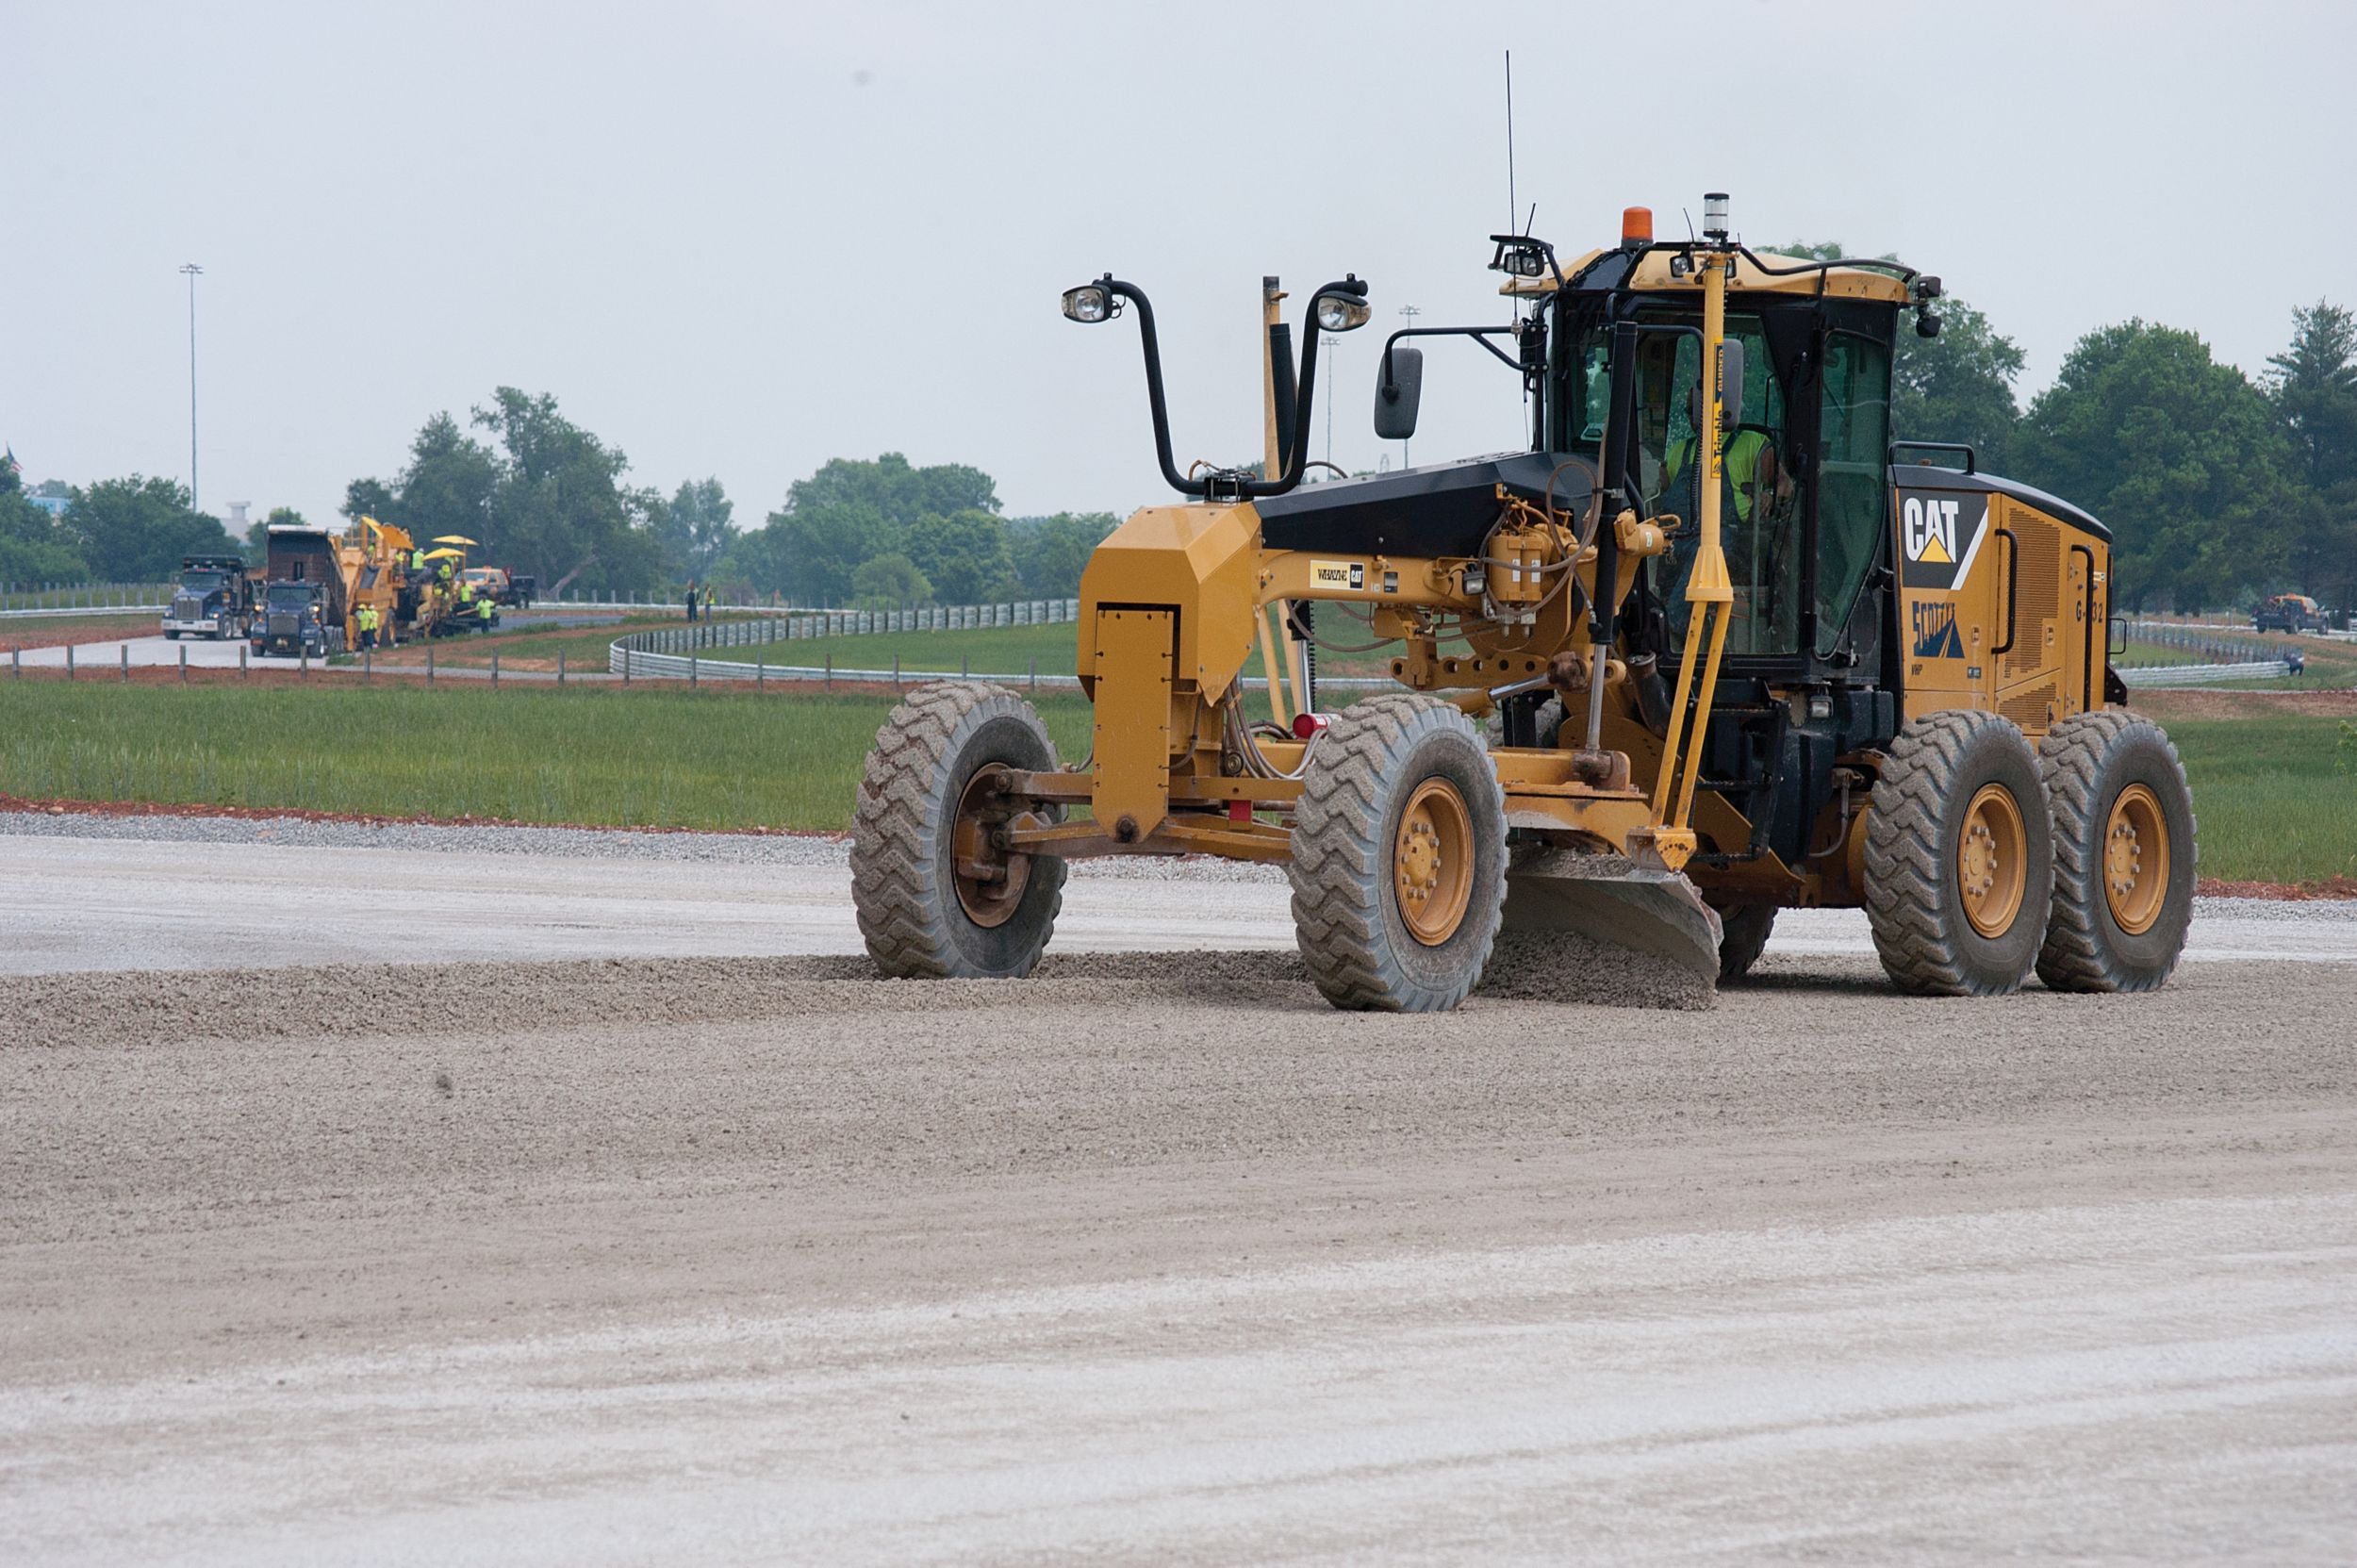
(1157, 1258)
(593, 843)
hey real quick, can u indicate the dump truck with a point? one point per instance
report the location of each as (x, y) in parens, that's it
(296, 620)
(215, 598)
(1744, 650)
(367, 565)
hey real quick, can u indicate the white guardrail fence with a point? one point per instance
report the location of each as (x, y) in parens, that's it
(2204, 675)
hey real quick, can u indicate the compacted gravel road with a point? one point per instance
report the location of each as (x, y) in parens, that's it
(692, 1260)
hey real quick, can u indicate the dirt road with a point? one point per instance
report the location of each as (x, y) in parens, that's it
(1156, 1257)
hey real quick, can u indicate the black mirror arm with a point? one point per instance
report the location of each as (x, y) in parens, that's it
(1154, 397)
(1478, 334)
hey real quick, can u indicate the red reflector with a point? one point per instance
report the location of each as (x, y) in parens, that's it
(1240, 811)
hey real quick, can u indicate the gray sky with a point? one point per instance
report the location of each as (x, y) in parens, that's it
(739, 239)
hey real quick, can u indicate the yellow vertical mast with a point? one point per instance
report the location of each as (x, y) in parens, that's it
(1708, 588)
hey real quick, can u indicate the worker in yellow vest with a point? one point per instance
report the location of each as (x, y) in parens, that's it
(368, 621)
(485, 609)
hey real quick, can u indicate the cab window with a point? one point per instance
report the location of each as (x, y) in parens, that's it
(1853, 446)
(1758, 517)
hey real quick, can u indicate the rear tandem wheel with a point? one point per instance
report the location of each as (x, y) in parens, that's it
(1959, 856)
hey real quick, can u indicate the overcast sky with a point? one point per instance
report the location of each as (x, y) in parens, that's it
(739, 239)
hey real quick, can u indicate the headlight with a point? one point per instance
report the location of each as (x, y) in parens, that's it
(1091, 302)
(1341, 313)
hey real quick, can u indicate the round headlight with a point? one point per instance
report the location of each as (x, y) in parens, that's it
(1341, 313)
(1091, 302)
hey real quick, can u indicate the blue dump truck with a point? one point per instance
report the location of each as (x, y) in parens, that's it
(216, 597)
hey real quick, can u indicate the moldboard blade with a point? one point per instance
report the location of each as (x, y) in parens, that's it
(1609, 899)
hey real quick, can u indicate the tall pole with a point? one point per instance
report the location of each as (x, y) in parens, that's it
(193, 271)
(1411, 313)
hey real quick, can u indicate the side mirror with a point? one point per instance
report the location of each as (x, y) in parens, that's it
(1395, 404)
(1730, 383)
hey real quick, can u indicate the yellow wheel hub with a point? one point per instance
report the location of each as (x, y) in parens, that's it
(1432, 862)
(1992, 860)
(2135, 860)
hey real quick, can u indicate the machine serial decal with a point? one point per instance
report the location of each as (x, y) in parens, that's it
(1939, 535)
(1935, 632)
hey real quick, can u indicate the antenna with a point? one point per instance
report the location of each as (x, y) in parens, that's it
(1512, 206)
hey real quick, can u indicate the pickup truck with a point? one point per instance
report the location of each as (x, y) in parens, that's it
(505, 588)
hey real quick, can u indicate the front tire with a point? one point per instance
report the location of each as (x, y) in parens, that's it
(1744, 932)
(930, 906)
(1959, 857)
(1398, 863)
(2123, 854)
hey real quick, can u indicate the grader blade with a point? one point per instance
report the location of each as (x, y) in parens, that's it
(1611, 900)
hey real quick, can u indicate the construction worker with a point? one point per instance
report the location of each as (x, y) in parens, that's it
(416, 561)
(691, 600)
(486, 610)
(367, 618)
(442, 570)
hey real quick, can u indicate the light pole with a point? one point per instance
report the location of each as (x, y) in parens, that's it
(1333, 387)
(1410, 312)
(193, 271)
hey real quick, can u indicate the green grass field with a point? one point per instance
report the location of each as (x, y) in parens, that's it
(2276, 796)
(637, 759)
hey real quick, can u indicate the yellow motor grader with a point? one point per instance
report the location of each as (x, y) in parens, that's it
(1713, 645)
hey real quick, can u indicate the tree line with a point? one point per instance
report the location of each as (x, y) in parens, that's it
(2217, 487)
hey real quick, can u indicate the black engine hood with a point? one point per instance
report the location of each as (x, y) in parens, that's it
(1446, 509)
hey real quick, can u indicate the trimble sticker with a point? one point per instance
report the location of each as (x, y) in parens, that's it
(1338, 574)
(1939, 535)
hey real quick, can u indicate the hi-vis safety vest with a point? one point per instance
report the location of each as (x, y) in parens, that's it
(1740, 454)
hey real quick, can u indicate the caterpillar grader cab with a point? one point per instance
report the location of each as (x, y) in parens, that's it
(1710, 645)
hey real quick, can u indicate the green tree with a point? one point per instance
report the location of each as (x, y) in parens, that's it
(2180, 454)
(813, 551)
(884, 581)
(136, 530)
(1957, 387)
(695, 528)
(558, 509)
(449, 484)
(1050, 552)
(898, 492)
(964, 554)
(853, 509)
(369, 498)
(33, 548)
(2313, 386)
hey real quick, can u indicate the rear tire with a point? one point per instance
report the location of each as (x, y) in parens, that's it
(1398, 857)
(1746, 928)
(1959, 857)
(2124, 853)
(921, 918)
